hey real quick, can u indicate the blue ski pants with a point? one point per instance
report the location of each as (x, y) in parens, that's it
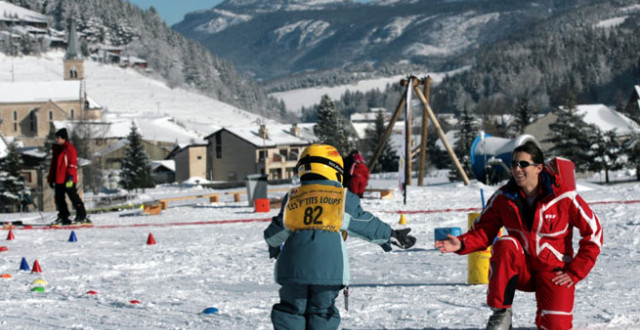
(310, 307)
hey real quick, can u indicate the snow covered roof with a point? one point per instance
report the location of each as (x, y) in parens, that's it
(33, 152)
(368, 116)
(39, 91)
(151, 127)
(111, 148)
(169, 163)
(92, 103)
(278, 134)
(13, 13)
(607, 119)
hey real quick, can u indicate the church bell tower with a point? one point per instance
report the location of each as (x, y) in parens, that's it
(73, 62)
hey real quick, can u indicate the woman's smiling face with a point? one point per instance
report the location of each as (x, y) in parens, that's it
(524, 170)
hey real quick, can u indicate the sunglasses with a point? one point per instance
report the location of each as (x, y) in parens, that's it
(521, 163)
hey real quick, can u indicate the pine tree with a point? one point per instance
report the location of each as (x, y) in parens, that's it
(632, 147)
(571, 137)
(136, 169)
(331, 127)
(462, 147)
(387, 160)
(606, 152)
(12, 184)
(524, 115)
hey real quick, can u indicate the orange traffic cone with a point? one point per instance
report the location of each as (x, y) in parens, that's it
(151, 240)
(36, 267)
(10, 237)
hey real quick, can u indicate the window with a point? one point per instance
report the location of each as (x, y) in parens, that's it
(27, 176)
(73, 72)
(72, 113)
(32, 121)
(199, 157)
(50, 115)
(218, 145)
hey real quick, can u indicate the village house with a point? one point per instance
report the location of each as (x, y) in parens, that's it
(17, 22)
(633, 106)
(190, 161)
(601, 116)
(29, 108)
(235, 152)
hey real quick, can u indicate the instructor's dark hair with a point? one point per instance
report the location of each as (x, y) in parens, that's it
(532, 149)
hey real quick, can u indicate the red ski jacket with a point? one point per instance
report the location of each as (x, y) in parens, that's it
(63, 164)
(547, 240)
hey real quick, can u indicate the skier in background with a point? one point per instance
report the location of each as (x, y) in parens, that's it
(312, 265)
(539, 214)
(63, 177)
(356, 174)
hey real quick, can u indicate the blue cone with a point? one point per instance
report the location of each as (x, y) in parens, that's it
(210, 310)
(24, 265)
(72, 237)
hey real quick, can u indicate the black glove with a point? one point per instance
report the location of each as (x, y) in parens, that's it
(52, 185)
(402, 239)
(274, 252)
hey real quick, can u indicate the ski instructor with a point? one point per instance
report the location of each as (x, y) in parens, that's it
(540, 215)
(312, 265)
(63, 177)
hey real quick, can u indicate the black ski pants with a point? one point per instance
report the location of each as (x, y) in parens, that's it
(61, 204)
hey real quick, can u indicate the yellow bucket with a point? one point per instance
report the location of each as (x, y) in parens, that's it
(478, 264)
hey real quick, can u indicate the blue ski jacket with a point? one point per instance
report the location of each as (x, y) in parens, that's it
(319, 257)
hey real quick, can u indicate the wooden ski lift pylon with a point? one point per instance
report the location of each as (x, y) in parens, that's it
(416, 83)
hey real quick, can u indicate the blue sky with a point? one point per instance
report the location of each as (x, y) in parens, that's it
(173, 11)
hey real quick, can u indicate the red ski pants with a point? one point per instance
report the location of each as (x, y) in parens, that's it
(510, 270)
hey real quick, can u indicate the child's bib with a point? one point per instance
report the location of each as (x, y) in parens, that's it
(315, 207)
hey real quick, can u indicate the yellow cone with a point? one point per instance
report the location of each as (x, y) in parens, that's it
(39, 282)
(403, 219)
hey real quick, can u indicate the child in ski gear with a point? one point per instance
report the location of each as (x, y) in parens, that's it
(539, 213)
(312, 265)
(63, 177)
(356, 173)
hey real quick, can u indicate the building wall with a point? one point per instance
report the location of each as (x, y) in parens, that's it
(113, 160)
(237, 157)
(77, 66)
(33, 120)
(240, 158)
(540, 130)
(190, 162)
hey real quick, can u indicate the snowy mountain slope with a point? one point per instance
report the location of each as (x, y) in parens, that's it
(305, 97)
(127, 92)
(351, 33)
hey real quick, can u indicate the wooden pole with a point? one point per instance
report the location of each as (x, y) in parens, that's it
(424, 131)
(387, 133)
(436, 124)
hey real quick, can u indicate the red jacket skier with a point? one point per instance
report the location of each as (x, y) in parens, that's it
(537, 255)
(63, 177)
(358, 174)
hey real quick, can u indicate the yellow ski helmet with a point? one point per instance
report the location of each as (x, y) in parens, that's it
(321, 159)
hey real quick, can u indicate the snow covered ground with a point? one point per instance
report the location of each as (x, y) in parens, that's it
(199, 262)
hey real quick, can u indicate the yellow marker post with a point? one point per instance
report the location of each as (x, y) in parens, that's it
(478, 264)
(403, 219)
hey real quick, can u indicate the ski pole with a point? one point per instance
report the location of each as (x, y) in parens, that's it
(346, 298)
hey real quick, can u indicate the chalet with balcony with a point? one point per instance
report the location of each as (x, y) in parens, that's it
(235, 152)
